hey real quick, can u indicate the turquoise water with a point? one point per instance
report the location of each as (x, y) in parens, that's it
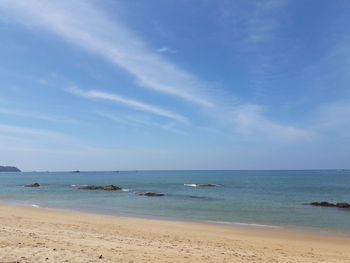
(257, 197)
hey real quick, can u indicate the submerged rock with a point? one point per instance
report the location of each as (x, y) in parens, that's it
(32, 185)
(151, 194)
(327, 204)
(101, 187)
(196, 197)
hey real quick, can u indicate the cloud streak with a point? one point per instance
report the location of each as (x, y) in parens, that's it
(81, 23)
(141, 121)
(93, 94)
(166, 50)
(11, 129)
(250, 121)
(36, 115)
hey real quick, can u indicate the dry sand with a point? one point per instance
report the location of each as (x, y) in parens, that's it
(42, 235)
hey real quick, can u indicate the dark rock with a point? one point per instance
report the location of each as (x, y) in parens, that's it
(196, 197)
(151, 194)
(9, 169)
(32, 185)
(207, 185)
(327, 204)
(322, 204)
(76, 171)
(342, 205)
(101, 187)
(100, 257)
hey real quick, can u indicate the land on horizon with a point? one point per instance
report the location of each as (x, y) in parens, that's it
(9, 169)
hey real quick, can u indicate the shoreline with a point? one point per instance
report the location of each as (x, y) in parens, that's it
(30, 234)
(234, 224)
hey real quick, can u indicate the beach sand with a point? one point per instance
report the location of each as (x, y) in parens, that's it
(42, 235)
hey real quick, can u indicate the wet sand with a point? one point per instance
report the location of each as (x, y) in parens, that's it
(43, 235)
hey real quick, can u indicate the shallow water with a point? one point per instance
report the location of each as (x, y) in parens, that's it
(256, 197)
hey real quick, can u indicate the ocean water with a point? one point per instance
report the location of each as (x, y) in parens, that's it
(254, 197)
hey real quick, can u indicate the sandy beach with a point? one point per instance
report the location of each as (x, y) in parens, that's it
(45, 235)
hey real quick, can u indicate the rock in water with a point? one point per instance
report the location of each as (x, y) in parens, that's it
(151, 194)
(342, 205)
(32, 185)
(207, 185)
(327, 204)
(101, 187)
(322, 204)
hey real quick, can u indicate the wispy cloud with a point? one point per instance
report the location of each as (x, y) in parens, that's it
(12, 129)
(36, 115)
(333, 116)
(256, 31)
(81, 23)
(141, 121)
(250, 121)
(255, 22)
(93, 94)
(166, 50)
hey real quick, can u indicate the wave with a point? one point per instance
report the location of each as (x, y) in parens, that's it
(36, 206)
(202, 185)
(192, 185)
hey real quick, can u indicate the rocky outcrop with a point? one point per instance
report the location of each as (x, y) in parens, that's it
(342, 205)
(101, 187)
(207, 185)
(327, 204)
(76, 171)
(9, 169)
(32, 185)
(151, 194)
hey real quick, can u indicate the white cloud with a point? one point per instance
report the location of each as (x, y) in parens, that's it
(34, 136)
(125, 120)
(36, 115)
(80, 23)
(128, 102)
(250, 121)
(166, 50)
(141, 121)
(333, 116)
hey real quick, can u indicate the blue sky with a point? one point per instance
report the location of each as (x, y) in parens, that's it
(114, 85)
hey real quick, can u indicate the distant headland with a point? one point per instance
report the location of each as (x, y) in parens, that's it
(9, 169)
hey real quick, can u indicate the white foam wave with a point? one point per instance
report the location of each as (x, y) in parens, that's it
(36, 206)
(191, 185)
(202, 185)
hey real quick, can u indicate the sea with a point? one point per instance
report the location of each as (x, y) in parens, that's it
(276, 199)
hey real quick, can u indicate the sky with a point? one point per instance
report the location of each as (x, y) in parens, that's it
(205, 84)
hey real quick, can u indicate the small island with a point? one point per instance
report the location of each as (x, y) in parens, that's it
(9, 169)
